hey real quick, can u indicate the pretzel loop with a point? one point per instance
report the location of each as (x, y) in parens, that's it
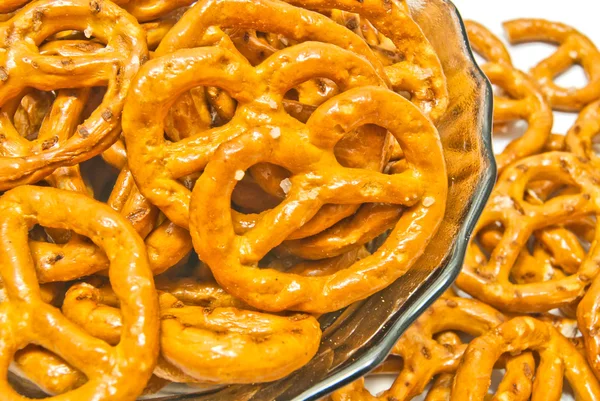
(42, 324)
(22, 65)
(488, 280)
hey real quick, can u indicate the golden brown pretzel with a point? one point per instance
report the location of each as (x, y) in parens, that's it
(145, 139)
(558, 357)
(419, 72)
(581, 137)
(317, 180)
(488, 280)
(574, 48)
(190, 334)
(42, 324)
(22, 66)
(425, 355)
(488, 45)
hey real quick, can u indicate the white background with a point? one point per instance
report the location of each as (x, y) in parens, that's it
(581, 14)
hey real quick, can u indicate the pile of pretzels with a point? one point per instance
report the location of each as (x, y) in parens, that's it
(527, 301)
(187, 185)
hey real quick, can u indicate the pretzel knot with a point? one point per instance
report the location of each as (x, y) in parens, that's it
(574, 48)
(488, 280)
(26, 319)
(525, 99)
(558, 358)
(22, 66)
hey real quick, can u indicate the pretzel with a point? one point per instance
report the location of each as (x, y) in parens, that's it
(289, 341)
(22, 66)
(261, 140)
(558, 357)
(580, 138)
(488, 280)
(525, 101)
(22, 208)
(488, 45)
(425, 357)
(574, 48)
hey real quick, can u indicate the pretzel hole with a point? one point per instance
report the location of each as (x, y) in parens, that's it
(99, 177)
(489, 237)
(527, 55)
(573, 77)
(249, 197)
(39, 373)
(31, 112)
(301, 101)
(198, 110)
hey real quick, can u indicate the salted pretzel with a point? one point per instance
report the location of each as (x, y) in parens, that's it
(574, 48)
(558, 358)
(581, 137)
(425, 355)
(289, 342)
(258, 146)
(41, 324)
(488, 280)
(525, 99)
(22, 66)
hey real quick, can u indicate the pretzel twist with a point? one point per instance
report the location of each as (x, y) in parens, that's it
(213, 232)
(488, 280)
(21, 66)
(558, 357)
(128, 365)
(574, 48)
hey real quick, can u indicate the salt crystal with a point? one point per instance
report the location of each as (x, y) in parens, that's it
(275, 133)
(428, 201)
(286, 185)
(30, 40)
(88, 32)
(573, 54)
(239, 175)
